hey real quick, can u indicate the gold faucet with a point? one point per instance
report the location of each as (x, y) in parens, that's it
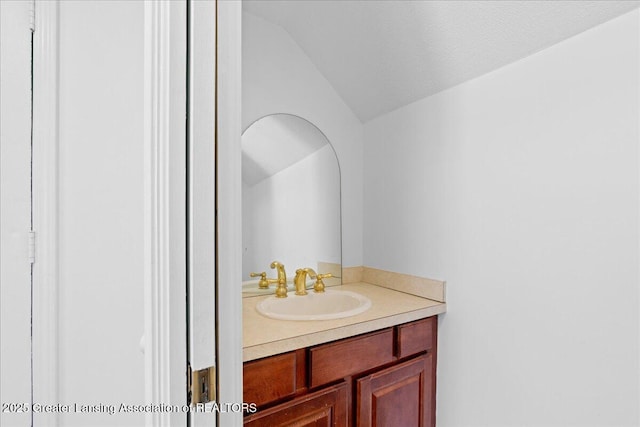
(281, 289)
(300, 280)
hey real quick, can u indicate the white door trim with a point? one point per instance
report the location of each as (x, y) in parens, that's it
(45, 209)
(156, 212)
(165, 234)
(216, 50)
(164, 216)
(202, 194)
(228, 181)
(202, 187)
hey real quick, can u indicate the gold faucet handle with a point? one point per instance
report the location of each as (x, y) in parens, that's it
(319, 286)
(263, 283)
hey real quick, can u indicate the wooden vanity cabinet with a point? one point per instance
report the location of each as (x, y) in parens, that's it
(382, 378)
(275, 378)
(326, 407)
(401, 395)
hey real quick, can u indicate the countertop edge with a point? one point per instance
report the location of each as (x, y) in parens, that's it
(276, 347)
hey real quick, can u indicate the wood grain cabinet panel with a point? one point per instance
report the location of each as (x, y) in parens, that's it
(385, 378)
(273, 378)
(327, 408)
(337, 360)
(401, 395)
(416, 337)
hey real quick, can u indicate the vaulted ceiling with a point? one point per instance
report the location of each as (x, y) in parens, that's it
(381, 55)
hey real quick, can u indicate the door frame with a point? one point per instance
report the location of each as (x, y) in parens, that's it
(164, 208)
(229, 201)
(165, 231)
(225, 55)
(45, 209)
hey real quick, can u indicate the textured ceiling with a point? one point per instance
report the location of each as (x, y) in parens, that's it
(381, 55)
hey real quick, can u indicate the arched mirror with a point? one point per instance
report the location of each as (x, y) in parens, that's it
(290, 200)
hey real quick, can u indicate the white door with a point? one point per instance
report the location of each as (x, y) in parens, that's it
(202, 204)
(215, 337)
(108, 136)
(15, 213)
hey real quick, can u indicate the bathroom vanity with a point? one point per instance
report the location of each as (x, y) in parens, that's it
(387, 375)
(375, 368)
(361, 352)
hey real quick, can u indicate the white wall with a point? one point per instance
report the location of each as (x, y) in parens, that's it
(101, 208)
(521, 188)
(277, 77)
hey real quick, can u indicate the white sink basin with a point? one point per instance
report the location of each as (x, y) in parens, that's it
(330, 304)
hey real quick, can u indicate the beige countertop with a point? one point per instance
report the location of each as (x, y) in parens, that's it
(264, 337)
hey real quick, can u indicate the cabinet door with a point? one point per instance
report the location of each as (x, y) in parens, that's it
(402, 395)
(327, 407)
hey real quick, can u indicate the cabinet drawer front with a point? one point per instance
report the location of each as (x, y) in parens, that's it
(341, 359)
(417, 336)
(272, 378)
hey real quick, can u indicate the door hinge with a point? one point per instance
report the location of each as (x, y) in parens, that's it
(32, 16)
(32, 247)
(201, 385)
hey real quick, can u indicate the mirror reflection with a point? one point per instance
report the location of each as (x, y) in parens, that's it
(290, 200)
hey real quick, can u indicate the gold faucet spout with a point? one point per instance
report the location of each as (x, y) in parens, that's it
(300, 281)
(280, 269)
